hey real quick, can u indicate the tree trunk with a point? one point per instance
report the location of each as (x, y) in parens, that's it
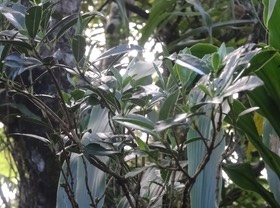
(37, 164)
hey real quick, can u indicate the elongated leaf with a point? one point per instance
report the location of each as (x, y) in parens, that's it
(17, 43)
(78, 47)
(246, 123)
(167, 108)
(243, 84)
(271, 140)
(203, 190)
(179, 119)
(137, 171)
(142, 145)
(205, 16)
(98, 150)
(43, 139)
(15, 15)
(158, 13)
(268, 107)
(33, 20)
(271, 16)
(243, 176)
(118, 50)
(67, 22)
(136, 122)
(193, 63)
(266, 66)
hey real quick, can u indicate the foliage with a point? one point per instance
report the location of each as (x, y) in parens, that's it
(159, 140)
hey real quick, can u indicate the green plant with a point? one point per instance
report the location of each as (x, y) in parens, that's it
(158, 141)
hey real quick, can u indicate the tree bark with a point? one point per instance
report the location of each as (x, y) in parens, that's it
(37, 164)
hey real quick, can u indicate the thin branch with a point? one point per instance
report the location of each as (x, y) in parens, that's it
(86, 182)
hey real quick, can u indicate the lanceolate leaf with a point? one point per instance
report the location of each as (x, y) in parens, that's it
(243, 176)
(136, 122)
(271, 17)
(33, 20)
(78, 47)
(17, 43)
(167, 108)
(15, 15)
(118, 50)
(99, 150)
(43, 139)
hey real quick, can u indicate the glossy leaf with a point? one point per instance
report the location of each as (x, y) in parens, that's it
(180, 119)
(136, 122)
(118, 50)
(15, 15)
(192, 63)
(243, 84)
(33, 20)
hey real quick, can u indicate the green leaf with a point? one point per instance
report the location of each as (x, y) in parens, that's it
(77, 94)
(33, 20)
(136, 122)
(247, 124)
(192, 63)
(165, 124)
(99, 150)
(142, 145)
(118, 50)
(78, 47)
(137, 171)
(271, 17)
(158, 13)
(167, 108)
(205, 16)
(243, 176)
(242, 84)
(15, 15)
(201, 49)
(43, 139)
(216, 61)
(17, 43)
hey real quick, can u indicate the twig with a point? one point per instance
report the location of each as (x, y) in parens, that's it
(86, 182)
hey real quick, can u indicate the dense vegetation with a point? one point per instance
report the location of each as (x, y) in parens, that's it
(119, 131)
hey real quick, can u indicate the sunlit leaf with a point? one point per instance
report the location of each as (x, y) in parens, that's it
(136, 122)
(118, 50)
